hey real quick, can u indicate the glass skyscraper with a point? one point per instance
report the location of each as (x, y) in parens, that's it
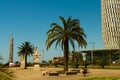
(111, 23)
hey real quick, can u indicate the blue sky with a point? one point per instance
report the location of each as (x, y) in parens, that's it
(29, 20)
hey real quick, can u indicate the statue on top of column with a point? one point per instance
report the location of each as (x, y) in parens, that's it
(36, 57)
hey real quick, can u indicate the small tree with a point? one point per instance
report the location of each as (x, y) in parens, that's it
(76, 59)
(44, 63)
(26, 49)
(103, 62)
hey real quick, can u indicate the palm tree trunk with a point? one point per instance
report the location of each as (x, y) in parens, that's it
(25, 61)
(66, 49)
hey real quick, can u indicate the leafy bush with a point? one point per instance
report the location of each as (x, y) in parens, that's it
(5, 73)
(4, 77)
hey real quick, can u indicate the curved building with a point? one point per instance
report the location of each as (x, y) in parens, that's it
(111, 23)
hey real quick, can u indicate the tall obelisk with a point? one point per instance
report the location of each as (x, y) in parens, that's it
(11, 49)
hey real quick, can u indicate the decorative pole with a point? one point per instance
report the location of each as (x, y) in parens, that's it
(92, 54)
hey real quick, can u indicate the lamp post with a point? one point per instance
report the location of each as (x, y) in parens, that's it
(42, 54)
(93, 45)
(60, 52)
(78, 48)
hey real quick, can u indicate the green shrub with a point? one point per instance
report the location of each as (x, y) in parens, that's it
(5, 73)
(4, 77)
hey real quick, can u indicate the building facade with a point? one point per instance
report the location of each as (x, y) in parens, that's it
(111, 23)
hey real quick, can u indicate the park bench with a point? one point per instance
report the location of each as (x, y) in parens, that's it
(78, 71)
(71, 72)
(53, 73)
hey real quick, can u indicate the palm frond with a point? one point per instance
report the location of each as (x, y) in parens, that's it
(72, 43)
(50, 42)
(64, 22)
(53, 24)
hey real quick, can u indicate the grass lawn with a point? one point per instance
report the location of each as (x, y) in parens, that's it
(103, 78)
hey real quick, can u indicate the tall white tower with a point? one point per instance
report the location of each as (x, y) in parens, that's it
(111, 23)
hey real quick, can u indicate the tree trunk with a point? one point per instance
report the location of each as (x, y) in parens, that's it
(25, 61)
(66, 49)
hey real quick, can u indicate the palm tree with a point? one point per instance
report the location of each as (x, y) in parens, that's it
(26, 49)
(70, 32)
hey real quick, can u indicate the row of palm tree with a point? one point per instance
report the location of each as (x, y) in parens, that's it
(69, 33)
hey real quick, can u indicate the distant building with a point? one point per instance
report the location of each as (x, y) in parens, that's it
(109, 54)
(111, 23)
(58, 59)
(110, 12)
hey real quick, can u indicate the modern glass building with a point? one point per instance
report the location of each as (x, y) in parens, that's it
(111, 23)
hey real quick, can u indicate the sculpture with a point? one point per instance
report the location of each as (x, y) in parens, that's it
(36, 57)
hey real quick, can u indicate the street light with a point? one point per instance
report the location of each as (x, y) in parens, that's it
(78, 48)
(60, 52)
(42, 54)
(93, 45)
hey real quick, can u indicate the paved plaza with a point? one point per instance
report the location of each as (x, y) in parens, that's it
(31, 74)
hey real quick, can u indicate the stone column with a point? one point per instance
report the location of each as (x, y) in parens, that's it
(22, 62)
(11, 50)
